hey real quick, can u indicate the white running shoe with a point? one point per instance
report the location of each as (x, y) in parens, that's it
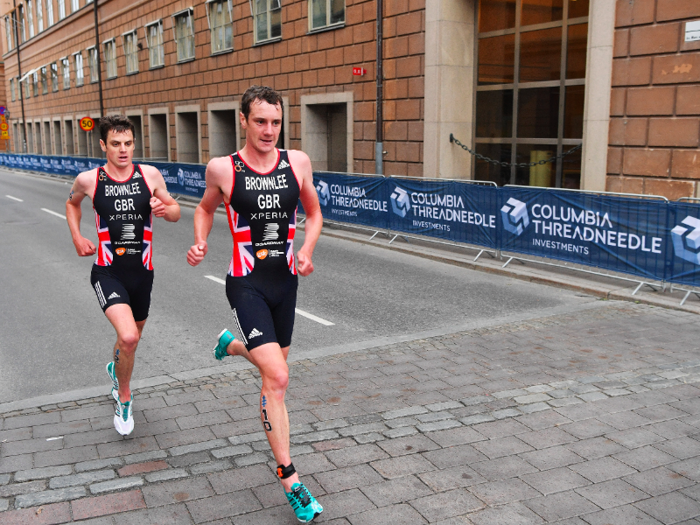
(123, 417)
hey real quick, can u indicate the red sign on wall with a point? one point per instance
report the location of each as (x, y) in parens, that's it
(359, 71)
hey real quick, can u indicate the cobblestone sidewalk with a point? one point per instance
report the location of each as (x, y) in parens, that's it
(592, 418)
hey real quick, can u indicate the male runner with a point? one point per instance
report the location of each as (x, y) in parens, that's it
(125, 197)
(260, 186)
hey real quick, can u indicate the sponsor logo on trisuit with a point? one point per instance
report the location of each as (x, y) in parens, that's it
(114, 295)
(261, 254)
(515, 217)
(254, 333)
(120, 251)
(128, 232)
(686, 239)
(270, 233)
(283, 164)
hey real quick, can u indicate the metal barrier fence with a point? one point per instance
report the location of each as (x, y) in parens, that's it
(647, 237)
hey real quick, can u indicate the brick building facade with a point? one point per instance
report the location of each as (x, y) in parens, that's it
(519, 80)
(655, 107)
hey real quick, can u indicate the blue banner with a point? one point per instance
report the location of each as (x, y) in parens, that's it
(353, 199)
(621, 234)
(684, 230)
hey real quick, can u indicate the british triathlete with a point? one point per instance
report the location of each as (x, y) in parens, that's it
(125, 197)
(260, 187)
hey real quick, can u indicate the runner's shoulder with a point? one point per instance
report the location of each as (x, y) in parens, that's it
(298, 159)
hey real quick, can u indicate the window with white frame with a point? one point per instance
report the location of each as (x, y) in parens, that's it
(22, 25)
(131, 52)
(326, 13)
(35, 83)
(44, 81)
(220, 25)
(184, 34)
(9, 33)
(30, 18)
(61, 9)
(12, 89)
(268, 20)
(65, 64)
(28, 87)
(111, 58)
(39, 15)
(92, 64)
(79, 70)
(74, 5)
(54, 76)
(49, 13)
(154, 39)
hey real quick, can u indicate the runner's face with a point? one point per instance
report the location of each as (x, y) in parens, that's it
(263, 126)
(119, 148)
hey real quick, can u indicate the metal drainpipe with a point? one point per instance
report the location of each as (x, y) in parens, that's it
(97, 48)
(379, 145)
(19, 71)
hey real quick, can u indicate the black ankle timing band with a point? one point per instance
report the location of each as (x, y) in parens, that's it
(285, 472)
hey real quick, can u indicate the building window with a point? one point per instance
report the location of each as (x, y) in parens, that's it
(131, 52)
(61, 9)
(326, 13)
(22, 25)
(44, 81)
(74, 5)
(39, 15)
(530, 90)
(184, 35)
(79, 72)
(12, 89)
(30, 18)
(65, 64)
(49, 13)
(268, 20)
(154, 39)
(35, 83)
(220, 25)
(92, 64)
(111, 58)
(9, 33)
(28, 87)
(54, 77)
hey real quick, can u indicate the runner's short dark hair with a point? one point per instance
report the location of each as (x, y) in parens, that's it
(116, 123)
(262, 93)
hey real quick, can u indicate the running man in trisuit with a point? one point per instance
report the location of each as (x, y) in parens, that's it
(260, 187)
(125, 197)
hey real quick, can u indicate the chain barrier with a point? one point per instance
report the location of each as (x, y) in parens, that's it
(508, 164)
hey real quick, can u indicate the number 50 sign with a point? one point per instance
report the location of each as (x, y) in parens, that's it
(87, 124)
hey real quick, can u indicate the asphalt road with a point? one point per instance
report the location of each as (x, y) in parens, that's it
(54, 337)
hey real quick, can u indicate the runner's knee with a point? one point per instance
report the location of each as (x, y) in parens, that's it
(128, 341)
(277, 380)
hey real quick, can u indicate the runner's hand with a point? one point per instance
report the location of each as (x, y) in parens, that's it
(196, 254)
(84, 247)
(304, 264)
(157, 207)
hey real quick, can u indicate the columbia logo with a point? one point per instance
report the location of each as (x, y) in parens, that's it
(283, 164)
(254, 333)
(114, 295)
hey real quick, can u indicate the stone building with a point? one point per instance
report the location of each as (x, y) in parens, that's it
(519, 81)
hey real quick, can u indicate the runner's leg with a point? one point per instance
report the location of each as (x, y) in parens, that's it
(128, 336)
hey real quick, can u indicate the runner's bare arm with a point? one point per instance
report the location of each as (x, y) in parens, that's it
(218, 178)
(162, 204)
(309, 199)
(82, 185)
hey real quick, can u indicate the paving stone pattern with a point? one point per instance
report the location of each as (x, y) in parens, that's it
(592, 418)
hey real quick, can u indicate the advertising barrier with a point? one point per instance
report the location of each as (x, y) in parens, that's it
(649, 238)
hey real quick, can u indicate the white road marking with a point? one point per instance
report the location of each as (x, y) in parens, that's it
(54, 438)
(53, 213)
(300, 312)
(14, 198)
(216, 279)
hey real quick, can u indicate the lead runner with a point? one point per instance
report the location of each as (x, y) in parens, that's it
(260, 187)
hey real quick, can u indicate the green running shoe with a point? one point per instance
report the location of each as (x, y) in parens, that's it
(115, 382)
(304, 504)
(123, 416)
(225, 339)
